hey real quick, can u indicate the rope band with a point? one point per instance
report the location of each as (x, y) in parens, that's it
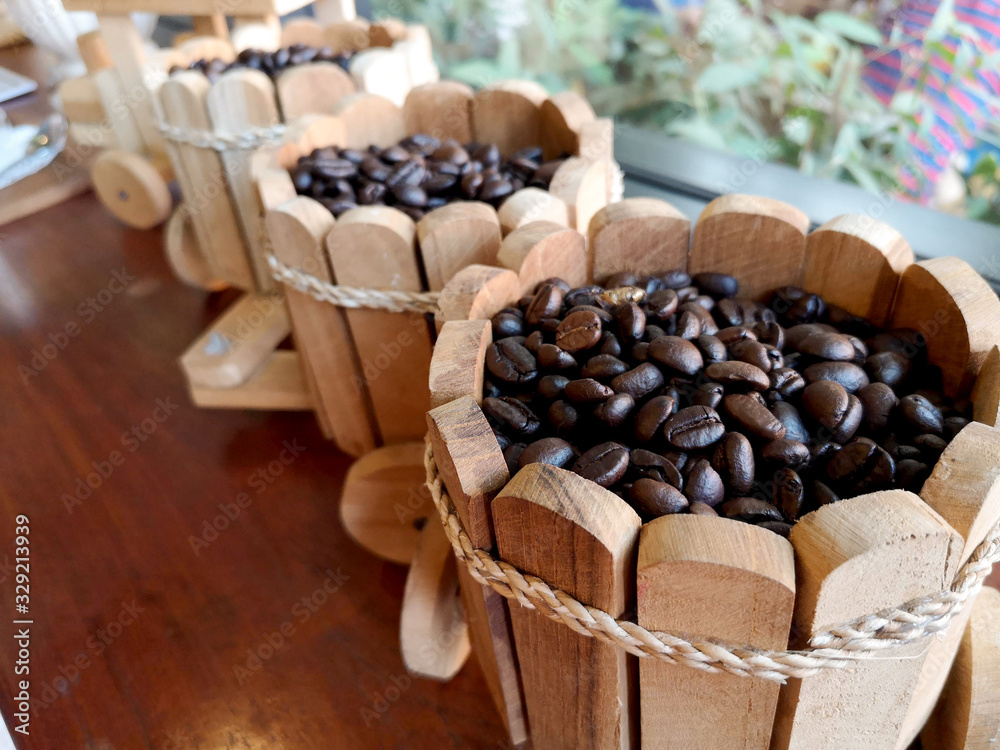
(248, 140)
(836, 648)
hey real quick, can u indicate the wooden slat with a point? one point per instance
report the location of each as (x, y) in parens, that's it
(508, 113)
(81, 100)
(347, 36)
(382, 71)
(957, 313)
(538, 250)
(477, 292)
(314, 88)
(331, 11)
(302, 31)
(642, 235)
(375, 247)
(278, 385)
(455, 236)
(986, 392)
(298, 230)
(760, 241)
(188, 7)
(121, 119)
(564, 115)
(853, 558)
(369, 120)
(734, 581)
(531, 204)
(577, 536)
(443, 110)
(458, 362)
(210, 25)
(582, 185)
(93, 51)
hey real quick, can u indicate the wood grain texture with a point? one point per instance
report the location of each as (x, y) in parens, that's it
(582, 185)
(543, 249)
(579, 692)
(433, 634)
(642, 235)
(760, 241)
(964, 489)
(132, 188)
(458, 362)
(385, 501)
(298, 230)
(182, 253)
(508, 113)
(564, 115)
(855, 261)
(455, 236)
(986, 391)
(473, 470)
(314, 88)
(531, 204)
(957, 313)
(370, 120)
(968, 715)
(597, 143)
(279, 384)
(443, 110)
(717, 577)
(394, 349)
(853, 558)
(477, 292)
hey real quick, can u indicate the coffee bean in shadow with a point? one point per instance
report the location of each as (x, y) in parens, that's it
(756, 354)
(890, 368)
(821, 495)
(711, 348)
(640, 352)
(584, 295)
(605, 316)
(709, 394)
(753, 417)
(826, 345)
(911, 474)
(507, 323)
(732, 335)
(502, 440)
(603, 367)
(587, 391)
(604, 464)
(510, 362)
(643, 463)
(878, 401)
(610, 344)
(631, 321)
(534, 341)
(751, 510)
(495, 190)
(546, 303)
(703, 484)
(661, 304)
(788, 453)
(471, 184)
(860, 467)
(653, 499)
(551, 357)
(335, 169)
(639, 381)
(931, 445)
(734, 461)
(410, 195)
(776, 527)
(738, 376)
(372, 193)
(514, 417)
(653, 332)
(833, 408)
(954, 425)
(563, 417)
(551, 450)
(613, 412)
(578, 331)
(705, 320)
(676, 353)
(512, 456)
(700, 509)
(693, 427)
(770, 333)
(717, 284)
(789, 493)
(372, 168)
(551, 387)
(651, 417)
(847, 374)
(916, 414)
(787, 381)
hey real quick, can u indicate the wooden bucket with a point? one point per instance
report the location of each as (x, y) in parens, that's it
(713, 578)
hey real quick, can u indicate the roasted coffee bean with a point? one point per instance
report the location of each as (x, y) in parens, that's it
(584, 295)
(410, 195)
(512, 457)
(534, 341)
(789, 416)
(604, 464)
(551, 357)
(770, 333)
(514, 416)
(509, 361)
(563, 417)
(891, 368)
(785, 452)
(661, 304)
(776, 527)
(954, 425)
(732, 335)
(916, 414)
(652, 416)
(717, 284)
(552, 451)
(911, 474)
(693, 427)
(861, 467)
(546, 303)
(653, 499)
(756, 354)
(603, 367)
(930, 444)
(709, 394)
(733, 460)
(374, 169)
(738, 375)
(676, 353)
(587, 391)
(640, 352)
(753, 417)
(705, 320)
(750, 509)
(551, 387)
(826, 345)
(604, 315)
(700, 509)
(631, 321)
(643, 463)
(711, 348)
(878, 401)
(849, 375)
(638, 382)
(610, 344)
(507, 323)
(689, 326)
(834, 408)
(703, 484)
(615, 410)
(578, 331)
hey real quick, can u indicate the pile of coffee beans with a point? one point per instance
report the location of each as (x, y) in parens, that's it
(271, 63)
(418, 174)
(679, 396)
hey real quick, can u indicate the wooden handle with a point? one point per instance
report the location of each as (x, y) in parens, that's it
(543, 249)
(529, 205)
(314, 88)
(762, 242)
(855, 261)
(370, 120)
(477, 292)
(582, 185)
(642, 235)
(956, 311)
(455, 236)
(458, 363)
(699, 574)
(577, 536)
(508, 113)
(443, 110)
(968, 715)
(564, 116)
(853, 558)
(986, 391)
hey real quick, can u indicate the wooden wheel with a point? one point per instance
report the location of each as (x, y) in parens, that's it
(132, 188)
(184, 254)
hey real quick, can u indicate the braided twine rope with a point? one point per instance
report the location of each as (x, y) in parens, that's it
(248, 140)
(836, 648)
